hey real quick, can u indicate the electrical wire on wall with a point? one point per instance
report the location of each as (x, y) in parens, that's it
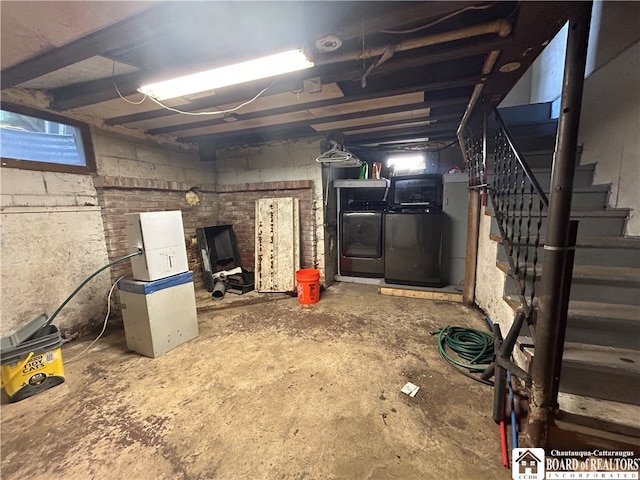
(104, 325)
(214, 112)
(441, 19)
(113, 77)
(183, 112)
(84, 282)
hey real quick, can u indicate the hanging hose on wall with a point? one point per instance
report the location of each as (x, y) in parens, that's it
(473, 348)
(84, 282)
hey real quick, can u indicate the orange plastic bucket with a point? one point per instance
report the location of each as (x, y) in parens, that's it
(308, 281)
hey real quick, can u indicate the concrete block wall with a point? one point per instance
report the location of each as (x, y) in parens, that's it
(136, 175)
(121, 156)
(52, 239)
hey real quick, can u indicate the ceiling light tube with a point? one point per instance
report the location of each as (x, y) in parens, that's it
(269, 66)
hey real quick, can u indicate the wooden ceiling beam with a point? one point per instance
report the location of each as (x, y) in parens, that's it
(281, 132)
(536, 23)
(96, 91)
(398, 123)
(388, 135)
(298, 124)
(442, 103)
(309, 106)
(412, 14)
(131, 31)
(332, 118)
(424, 87)
(266, 135)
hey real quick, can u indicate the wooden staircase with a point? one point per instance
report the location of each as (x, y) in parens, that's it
(600, 379)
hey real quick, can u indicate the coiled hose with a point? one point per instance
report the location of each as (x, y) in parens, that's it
(473, 348)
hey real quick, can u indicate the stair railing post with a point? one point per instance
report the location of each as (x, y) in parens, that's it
(560, 239)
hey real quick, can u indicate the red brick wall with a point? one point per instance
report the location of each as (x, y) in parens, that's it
(230, 204)
(237, 205)
(118, 196)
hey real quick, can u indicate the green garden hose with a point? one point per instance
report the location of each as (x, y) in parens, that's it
(473, 348)
(84, 282)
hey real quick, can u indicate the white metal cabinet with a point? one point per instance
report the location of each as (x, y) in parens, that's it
(160, 315)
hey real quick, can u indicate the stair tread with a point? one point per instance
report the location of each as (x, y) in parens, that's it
(597, 356)
(597, 187)
(600, 355)
(581, 309)
(540, 151)
(577, 214)
(612, 274)
(585, 167)
(605, 414)
(594, 242)
(590, 273)
(611, 311)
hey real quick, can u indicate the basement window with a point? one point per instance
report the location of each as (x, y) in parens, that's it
(35, 140)
(406, 163)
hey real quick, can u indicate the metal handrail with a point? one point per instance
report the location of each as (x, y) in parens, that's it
(525, 166)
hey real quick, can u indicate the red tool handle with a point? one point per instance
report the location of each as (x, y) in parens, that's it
(503, 443)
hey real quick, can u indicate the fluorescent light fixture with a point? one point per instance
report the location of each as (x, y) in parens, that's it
(269, 66)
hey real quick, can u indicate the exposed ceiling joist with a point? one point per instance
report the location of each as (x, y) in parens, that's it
(130, 31)
(434, 53)
(414, 13)
(265, 135)
(83, 94)
(477, 48)
(392, 134)
(270, 113)
(426, 87)
(293, 126)
(324, 120)
(401, 124)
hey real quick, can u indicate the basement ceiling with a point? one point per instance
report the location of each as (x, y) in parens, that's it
(403, 76)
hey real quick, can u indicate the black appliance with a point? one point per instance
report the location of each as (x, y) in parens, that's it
(413, 231)
(362, 204)
(361, 244)
(416, 191)
(218, 247)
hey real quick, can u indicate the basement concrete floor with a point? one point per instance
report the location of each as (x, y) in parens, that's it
(269, 391)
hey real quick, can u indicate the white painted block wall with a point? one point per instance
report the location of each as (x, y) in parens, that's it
(52, 238)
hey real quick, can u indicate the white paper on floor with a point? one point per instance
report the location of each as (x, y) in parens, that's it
(410, 389)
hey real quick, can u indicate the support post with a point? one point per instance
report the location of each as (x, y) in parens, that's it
(476, 200)
(560, 238)
(471, 260)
